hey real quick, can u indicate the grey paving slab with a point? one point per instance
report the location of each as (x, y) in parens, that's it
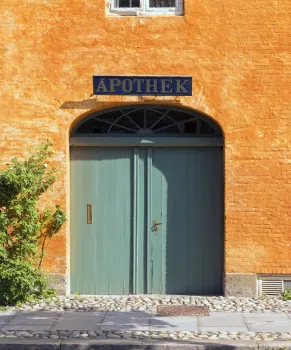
(174, 323)
(35, 318)
(224, 329)
(126, 321)
(270, 326)
(82, 314)
(127, 318)
(289, 315)
(29, 344)
(126, 327)
(6, 316)
(78, 321)
(265, 317)
(26, 327)
(219, 319)
(133, 314)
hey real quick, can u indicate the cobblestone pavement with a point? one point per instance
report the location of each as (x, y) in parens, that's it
(150, 302)
(163, 335)
(258, 326)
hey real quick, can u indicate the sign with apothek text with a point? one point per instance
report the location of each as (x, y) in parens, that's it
(142, 85)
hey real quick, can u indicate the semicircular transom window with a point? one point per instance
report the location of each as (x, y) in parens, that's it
(147, 121)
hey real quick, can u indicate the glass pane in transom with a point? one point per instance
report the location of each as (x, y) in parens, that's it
(162, 3)
(128, 3)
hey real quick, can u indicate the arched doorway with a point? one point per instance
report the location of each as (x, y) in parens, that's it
(147, 202)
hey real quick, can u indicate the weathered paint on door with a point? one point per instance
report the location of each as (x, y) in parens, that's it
(187, 248)
(101, 252)
(157, 220)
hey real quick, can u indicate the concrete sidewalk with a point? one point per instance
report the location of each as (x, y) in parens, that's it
(143, 321)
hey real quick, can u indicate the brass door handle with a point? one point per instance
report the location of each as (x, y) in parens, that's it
(89, 213)
(156, 226)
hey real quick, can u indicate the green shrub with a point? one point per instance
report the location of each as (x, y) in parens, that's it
(287, 294)
(25, 229)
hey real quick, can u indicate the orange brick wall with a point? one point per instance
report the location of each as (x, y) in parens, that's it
(239, 55)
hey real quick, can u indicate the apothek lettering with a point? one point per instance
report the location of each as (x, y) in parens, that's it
(142, 85)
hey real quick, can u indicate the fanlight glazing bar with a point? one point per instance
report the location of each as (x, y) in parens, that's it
(181, 122)
(145, 120)
(128, 117)
(110, 123)
(118, 118)
(157, 121)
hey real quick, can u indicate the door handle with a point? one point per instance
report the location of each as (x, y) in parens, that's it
(89, 213)
(156, 226)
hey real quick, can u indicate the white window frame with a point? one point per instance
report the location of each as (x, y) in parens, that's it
(145, 9)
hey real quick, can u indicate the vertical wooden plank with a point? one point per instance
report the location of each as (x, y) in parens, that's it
(100, 239)
(177, 220)
(95, 238)
(76, 225)
(81, 251)
(170, 193)
(149, 221)
(89, 230)
(213, 229)
(142, 223)
(135, 219)
(206, 239)
(195, 218)
(91, 195)
(118, 225)
(159, 192)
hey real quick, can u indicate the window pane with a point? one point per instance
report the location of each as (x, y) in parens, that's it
(128, 3)
(162, 3)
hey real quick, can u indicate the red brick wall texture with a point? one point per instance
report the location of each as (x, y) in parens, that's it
(239, 55)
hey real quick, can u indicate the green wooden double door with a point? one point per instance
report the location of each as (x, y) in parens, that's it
(146, 220)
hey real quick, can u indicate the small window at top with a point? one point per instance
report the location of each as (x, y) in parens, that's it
(162, 3)
(127, 3)
(146, 7)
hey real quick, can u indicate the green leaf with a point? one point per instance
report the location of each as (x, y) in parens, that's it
(25, 229)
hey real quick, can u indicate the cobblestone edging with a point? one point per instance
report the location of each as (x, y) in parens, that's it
(150, 302)
(134, 344)
(164, 335)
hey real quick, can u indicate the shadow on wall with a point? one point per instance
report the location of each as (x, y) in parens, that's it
(94, 103)
(85, 104)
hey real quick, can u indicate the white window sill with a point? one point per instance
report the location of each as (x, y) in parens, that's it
(138, 13)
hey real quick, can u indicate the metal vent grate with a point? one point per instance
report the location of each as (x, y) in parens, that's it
(271, 287)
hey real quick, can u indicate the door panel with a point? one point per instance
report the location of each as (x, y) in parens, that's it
(187, 198)
(121, 252)
(101, 253)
